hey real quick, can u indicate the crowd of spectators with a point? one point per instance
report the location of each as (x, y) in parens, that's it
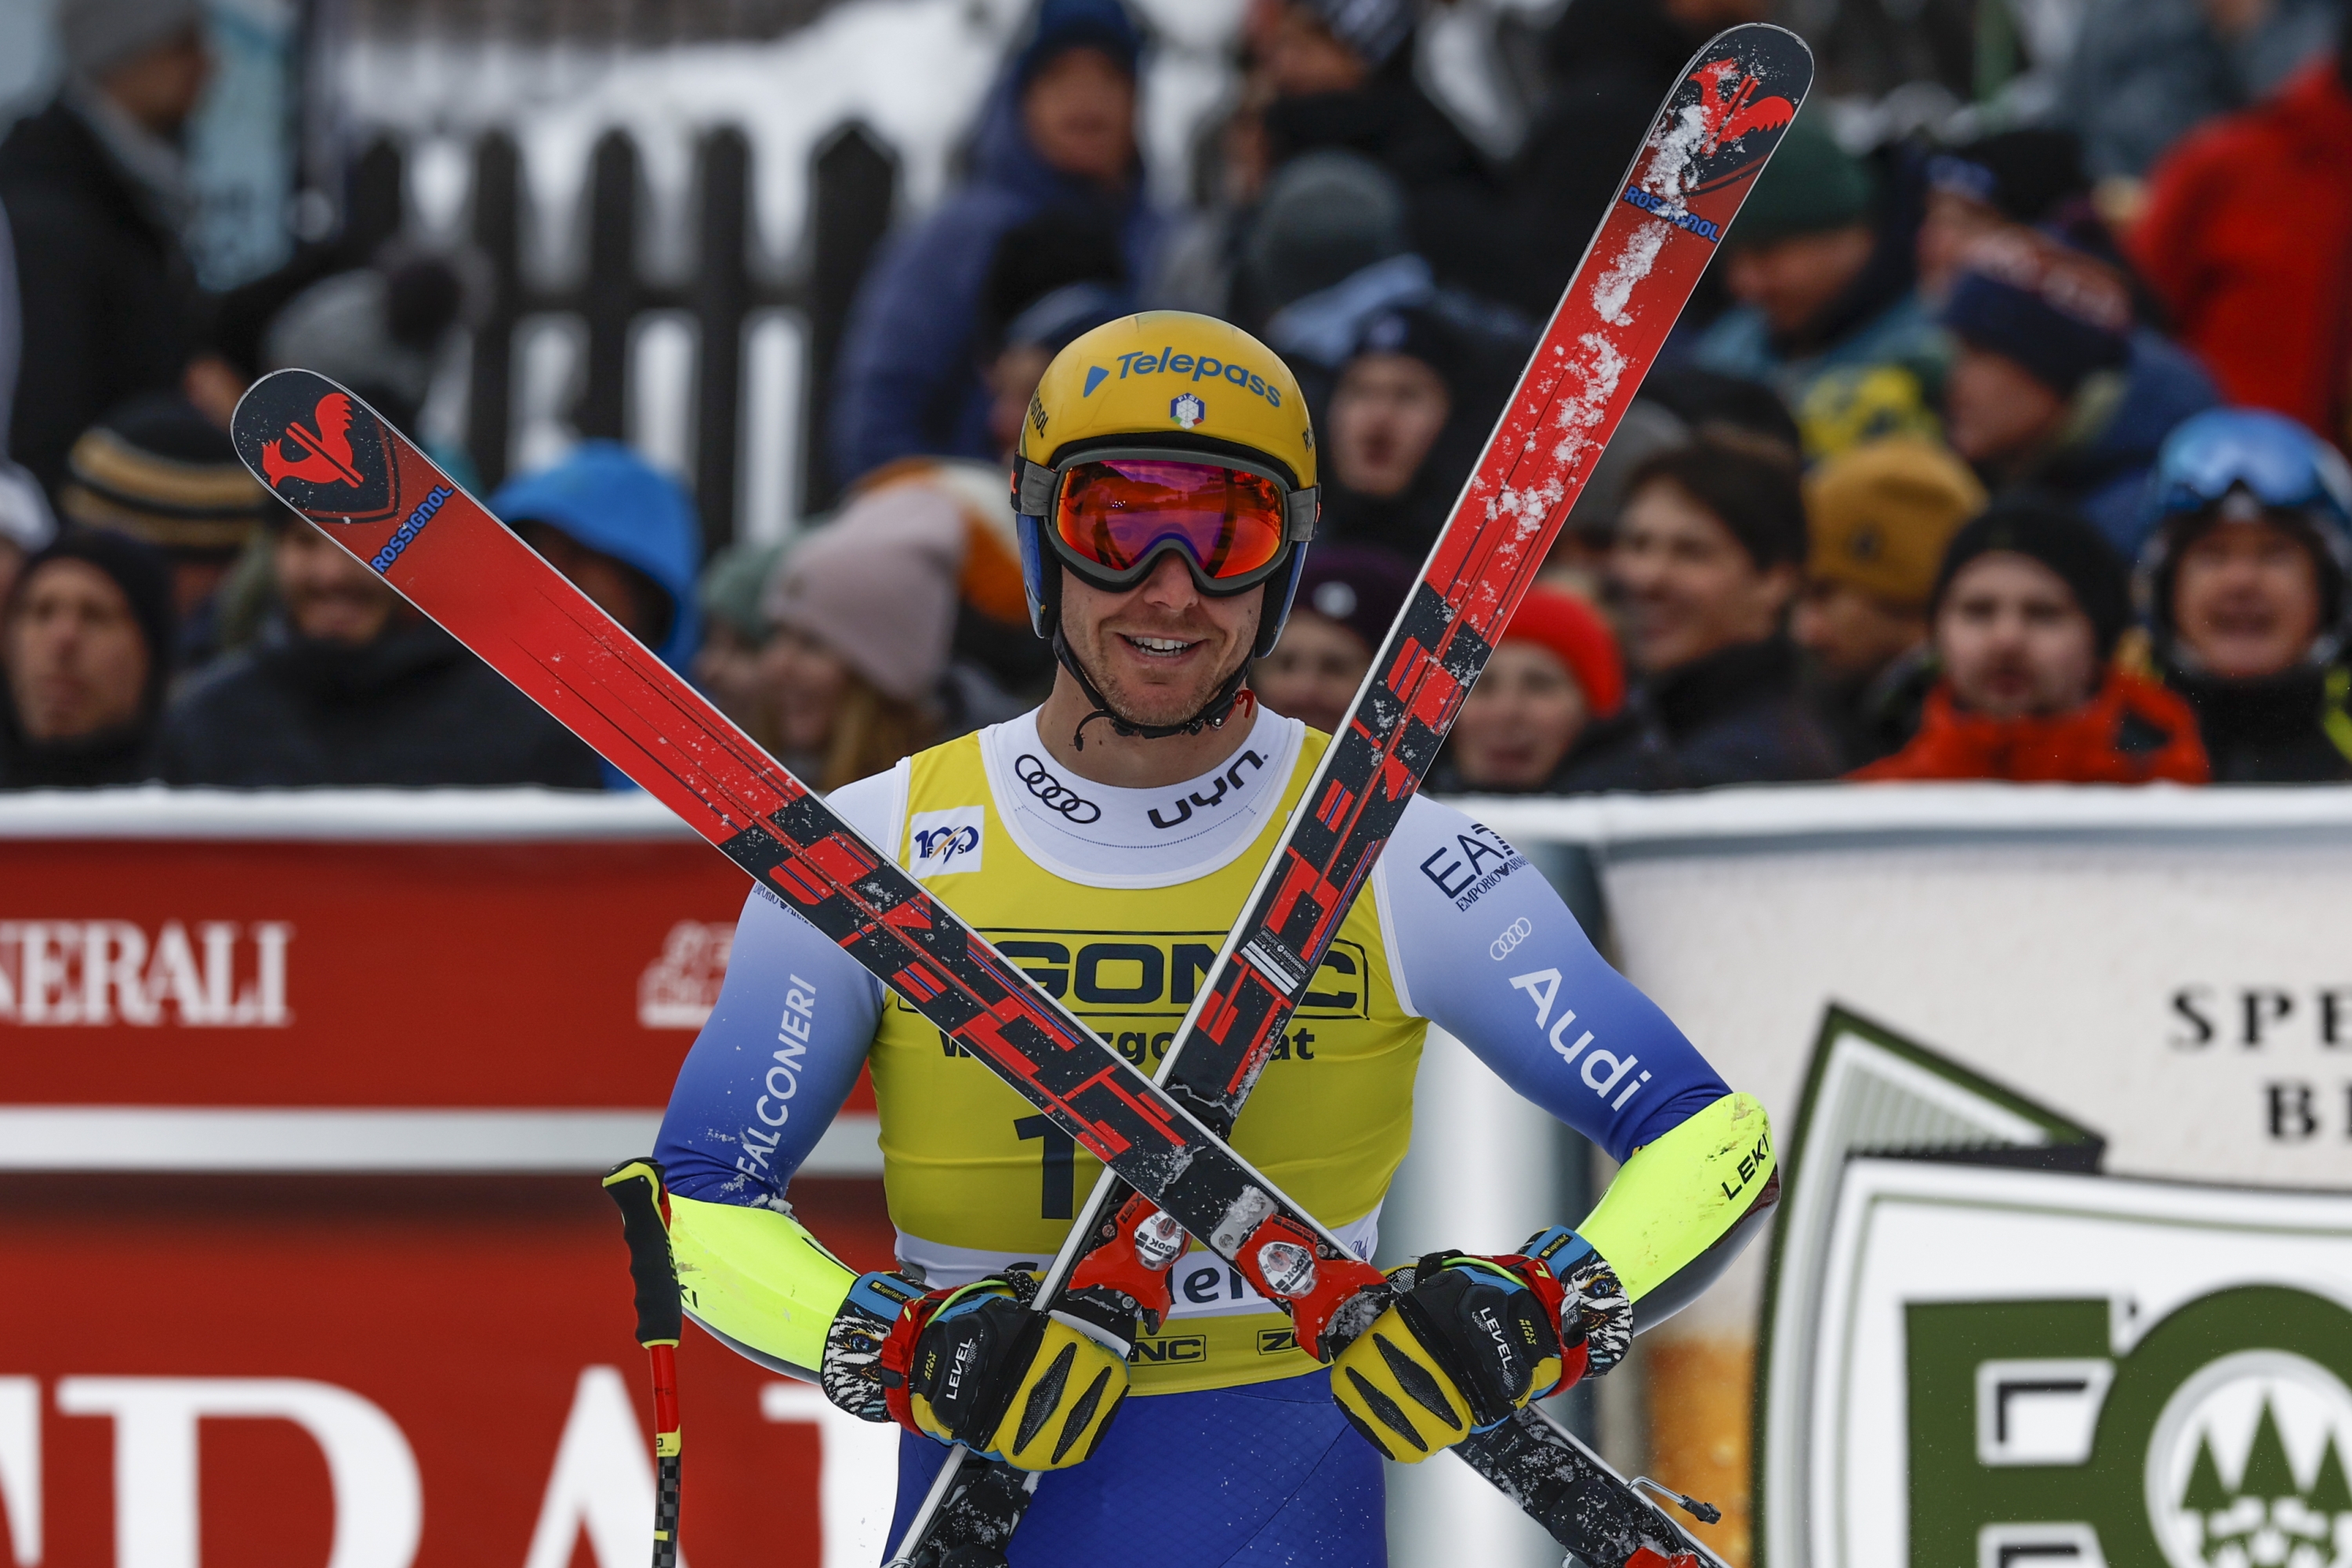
(2004, 454)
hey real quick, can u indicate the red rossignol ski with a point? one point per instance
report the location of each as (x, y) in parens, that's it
(371, 490)
(338, 463)
(398, 513)
(1709, 141)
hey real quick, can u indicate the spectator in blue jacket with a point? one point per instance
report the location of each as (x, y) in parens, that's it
(626, 535)
(1058, 131)
(1820, 262)
(2053, 389)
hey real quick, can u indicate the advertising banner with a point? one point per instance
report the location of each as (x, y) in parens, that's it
(375, 1373)
(303, 1100)
(2073, 1371)
(2158, 972)
(373, 981)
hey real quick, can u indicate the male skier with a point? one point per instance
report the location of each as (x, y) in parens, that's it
(1105, 842)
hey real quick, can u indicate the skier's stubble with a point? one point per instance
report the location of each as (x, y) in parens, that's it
(1158, 652)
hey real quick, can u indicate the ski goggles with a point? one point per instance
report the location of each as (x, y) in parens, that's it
(1112, 514)
(2277, 464)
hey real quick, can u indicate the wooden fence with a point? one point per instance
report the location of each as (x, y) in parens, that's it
(853, 179)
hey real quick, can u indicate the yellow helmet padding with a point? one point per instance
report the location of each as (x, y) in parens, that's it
(1171, 373)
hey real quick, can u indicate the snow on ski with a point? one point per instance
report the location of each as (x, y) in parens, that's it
(347, 469)
(1710, 140)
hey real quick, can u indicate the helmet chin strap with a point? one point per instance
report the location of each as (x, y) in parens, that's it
(1212, 716)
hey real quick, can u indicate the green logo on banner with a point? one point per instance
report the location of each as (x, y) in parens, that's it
(2219, 1440)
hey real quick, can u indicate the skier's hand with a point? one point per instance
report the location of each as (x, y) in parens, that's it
(976, 1366)
(1594, 1300)
(851, 1372)
(1468, 1342)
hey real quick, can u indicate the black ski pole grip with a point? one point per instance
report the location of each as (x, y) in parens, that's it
(635, 1187)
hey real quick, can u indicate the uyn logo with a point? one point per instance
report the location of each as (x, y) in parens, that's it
(214, 974)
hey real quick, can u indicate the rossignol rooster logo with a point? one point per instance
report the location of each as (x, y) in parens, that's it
(320, 450)
(1726, 120)
(326, 451)
(1728, 96)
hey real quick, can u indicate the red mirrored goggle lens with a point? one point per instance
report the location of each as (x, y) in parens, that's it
(1121, 512)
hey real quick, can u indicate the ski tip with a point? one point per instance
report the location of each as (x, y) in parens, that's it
(317, 446)
(265, 396)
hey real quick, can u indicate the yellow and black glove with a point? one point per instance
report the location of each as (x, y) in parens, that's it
(976, 1366)
(1469, 1341)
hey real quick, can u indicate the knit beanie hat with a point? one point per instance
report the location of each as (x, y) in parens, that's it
(732, 586)
(1327, 216)
(378, 332)
(1881, 515)
(1372, 29)
(156, 469)
(1361, 586)
(2022, 175)
(138, 568)
(2056, 312)
(878, 586)
(98, 35)
(1810, 186)
(1066, 25)
(1573, 629)
(2058, 539)
(1418, 333)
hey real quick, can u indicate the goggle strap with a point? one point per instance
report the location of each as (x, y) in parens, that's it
(1034, 484)
(1301, 507)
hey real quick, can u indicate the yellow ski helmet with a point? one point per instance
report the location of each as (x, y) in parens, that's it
(1171, 383)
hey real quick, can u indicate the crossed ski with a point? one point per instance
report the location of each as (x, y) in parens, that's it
(1435, 649)
(479, 581)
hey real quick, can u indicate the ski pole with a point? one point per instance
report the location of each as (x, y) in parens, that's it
(636, 1186)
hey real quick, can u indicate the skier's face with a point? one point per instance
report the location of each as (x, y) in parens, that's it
(1160, 650)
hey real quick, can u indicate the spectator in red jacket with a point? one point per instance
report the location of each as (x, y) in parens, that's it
(2248, 237)
(2027, 611)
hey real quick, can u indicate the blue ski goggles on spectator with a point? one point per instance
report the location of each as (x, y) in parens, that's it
(2277, 461)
